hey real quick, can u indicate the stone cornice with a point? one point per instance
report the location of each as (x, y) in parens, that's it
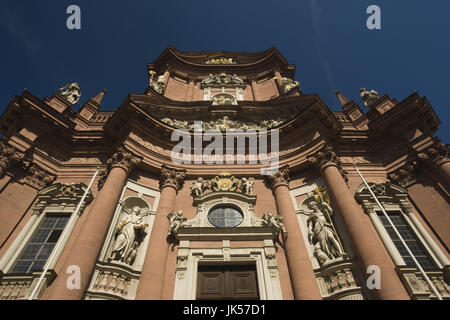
(171, 177)
(122, 158)
(280, 178)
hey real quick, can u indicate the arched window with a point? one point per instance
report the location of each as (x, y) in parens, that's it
(225, 216)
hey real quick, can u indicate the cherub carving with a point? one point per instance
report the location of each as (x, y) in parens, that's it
(176, 220)
(275, 222)
(198, 187)
(247, 185)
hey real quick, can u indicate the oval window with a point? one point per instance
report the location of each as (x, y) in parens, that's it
(225, 217)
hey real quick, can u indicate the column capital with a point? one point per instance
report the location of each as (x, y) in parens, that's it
(405, 175)
(122, 158)
(280, 178)
(435, 154)
(171, 177)
(9, 156)
(325, 157)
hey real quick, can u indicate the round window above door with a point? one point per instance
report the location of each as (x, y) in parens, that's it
(225, 216)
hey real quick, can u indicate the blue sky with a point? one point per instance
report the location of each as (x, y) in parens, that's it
(327, 40)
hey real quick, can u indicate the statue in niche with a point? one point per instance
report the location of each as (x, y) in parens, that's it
(129, 233)
(71, 92)
(176, 220)
(321, 233)
(247, 185)
(198, 187)
(276, 223)
(369, 97)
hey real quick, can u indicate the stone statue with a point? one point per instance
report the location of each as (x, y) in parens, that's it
(159, 85)
(321, 233)
(71, 92)
(247, 185)
(127, 233)
(287, 84)
(198, 187)
(176, 220)
(276, 223)
(369, 97)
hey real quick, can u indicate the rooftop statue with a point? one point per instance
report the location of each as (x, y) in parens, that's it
(369, 97)
(71, 92)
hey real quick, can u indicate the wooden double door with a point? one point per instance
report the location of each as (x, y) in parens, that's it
(228, 282)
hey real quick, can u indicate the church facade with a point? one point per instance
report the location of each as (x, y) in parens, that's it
(223, 180)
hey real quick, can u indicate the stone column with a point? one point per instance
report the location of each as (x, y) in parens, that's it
(369, 248)
(90, 239)
(437, 156)
(303, 280)
(153, 271)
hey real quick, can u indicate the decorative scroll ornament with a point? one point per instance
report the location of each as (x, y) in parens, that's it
(198, 187)
(222, 80)
(121, 158)
(38, 177)
(223, 124)
(71, 92)
(171, 178)
(369, 97)
(224, 182)
(221, 60)
(276, 223)
(9, 157)
(129, 233)
(280, 178)
(160, 84)
(325, 157)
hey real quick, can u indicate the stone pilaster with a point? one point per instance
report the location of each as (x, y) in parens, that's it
(90, 239)
(369, 248)
(301, 272)
(151, 283)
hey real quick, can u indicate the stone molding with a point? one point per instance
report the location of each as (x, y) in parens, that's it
(62, 194)
(280, 178)
(122, 158)
(171, 177)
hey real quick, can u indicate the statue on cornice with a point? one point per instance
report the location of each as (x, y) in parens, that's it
(321, 233)
(160, 84)
(198, 187)
(222, 80)
(369, 97)
(275, 222)
(247, 185)
(176, 220)
(127, 232)
(71, 92)
(287, 84)
(221, 60)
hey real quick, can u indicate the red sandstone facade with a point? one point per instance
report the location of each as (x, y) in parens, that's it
(222, 245)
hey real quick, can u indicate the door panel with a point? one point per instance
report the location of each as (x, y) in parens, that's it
(227, 282)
